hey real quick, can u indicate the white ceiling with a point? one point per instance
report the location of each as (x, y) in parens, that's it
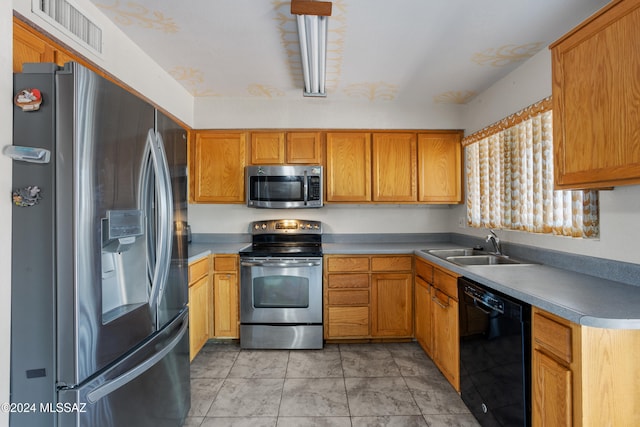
(382, 51)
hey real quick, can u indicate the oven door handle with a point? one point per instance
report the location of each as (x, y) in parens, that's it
(280, 264)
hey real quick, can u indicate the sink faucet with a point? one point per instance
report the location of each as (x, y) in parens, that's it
(495, 241)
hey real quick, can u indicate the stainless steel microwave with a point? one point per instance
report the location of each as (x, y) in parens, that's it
(284, 187)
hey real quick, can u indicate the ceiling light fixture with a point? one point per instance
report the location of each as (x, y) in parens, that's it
(313, 20)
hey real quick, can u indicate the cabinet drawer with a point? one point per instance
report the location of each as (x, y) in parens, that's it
(348, 297)
(198, 269)
(425, 271)
(348, 322)
(552, 336)
(446, 283)
(359, 280)
(348, 264)
(225, 263)
(392, 263)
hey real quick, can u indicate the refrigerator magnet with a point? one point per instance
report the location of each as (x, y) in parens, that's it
(27, 196)
(28, 99)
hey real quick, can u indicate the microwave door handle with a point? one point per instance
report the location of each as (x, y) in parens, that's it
(306, 188)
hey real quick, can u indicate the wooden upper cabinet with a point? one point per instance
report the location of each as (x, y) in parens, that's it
(394, 167)
(304, 148)
(439, 167)
(29, 47)
(277, 148)
(596, 126)
(267, 148)
(348, 167)
(217, 161)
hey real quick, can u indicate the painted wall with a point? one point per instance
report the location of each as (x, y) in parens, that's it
(336, 218)
(6, 111)
(323, 113)
(619, 209)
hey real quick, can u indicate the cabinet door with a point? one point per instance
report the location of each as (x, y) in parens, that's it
(446, 345)
(394, 167)
(28, 47)
(422, 306)
(551, 392)
(391, 304)
(595, 90)
(439, 168)
(217, 167)
(267, 148)
(225, 311)
(348, 173)
(304, 148)
(198, 315)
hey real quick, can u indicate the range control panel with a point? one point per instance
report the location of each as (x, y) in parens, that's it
(286, 226)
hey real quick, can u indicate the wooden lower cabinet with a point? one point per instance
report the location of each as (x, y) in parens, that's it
(199, 305)
(583, 376)
(226, 297)
(552, 399)
(436, 320)
(198, 315)
(391, 305)
(347, 322)
(368, 296)
(446, 342)
(422, 306)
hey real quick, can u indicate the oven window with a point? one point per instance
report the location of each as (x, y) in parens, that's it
(277, 188)
(281, 291)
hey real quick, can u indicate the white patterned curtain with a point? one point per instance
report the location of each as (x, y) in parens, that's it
(510, 180)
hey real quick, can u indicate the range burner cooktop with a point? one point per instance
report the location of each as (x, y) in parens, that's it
(285, 238)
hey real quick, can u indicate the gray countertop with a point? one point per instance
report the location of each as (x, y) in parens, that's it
(580, 298)
(199, 250)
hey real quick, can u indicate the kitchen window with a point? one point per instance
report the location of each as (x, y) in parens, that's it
(509, 172)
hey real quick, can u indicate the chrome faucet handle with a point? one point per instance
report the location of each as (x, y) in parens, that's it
(495, 241)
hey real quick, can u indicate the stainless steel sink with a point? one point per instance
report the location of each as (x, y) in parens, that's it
(482, 260)
(470, 256)
(446, 253)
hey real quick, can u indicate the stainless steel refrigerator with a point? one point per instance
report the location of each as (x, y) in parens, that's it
(99, 333)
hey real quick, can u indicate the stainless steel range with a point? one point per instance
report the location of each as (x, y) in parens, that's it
(281, 286)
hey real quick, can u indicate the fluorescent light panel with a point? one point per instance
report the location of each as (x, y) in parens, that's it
(312, 33)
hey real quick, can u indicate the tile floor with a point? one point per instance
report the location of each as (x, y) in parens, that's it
(341, 385)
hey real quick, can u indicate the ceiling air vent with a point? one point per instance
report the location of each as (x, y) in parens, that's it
(66, 17)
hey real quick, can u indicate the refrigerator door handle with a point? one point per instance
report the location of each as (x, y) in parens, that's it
(164, 215)
(109, 387)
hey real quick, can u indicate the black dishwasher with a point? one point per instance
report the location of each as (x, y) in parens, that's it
(495, 355)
